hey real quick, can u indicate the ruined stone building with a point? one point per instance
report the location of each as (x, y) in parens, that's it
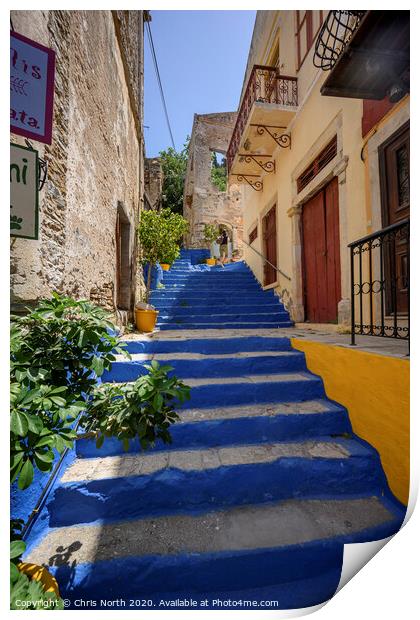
(89, 206)
(204, 203)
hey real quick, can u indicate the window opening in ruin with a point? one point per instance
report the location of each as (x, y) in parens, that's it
(218, 173)
(123, 263)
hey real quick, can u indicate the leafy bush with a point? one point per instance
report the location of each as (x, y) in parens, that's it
(218, 173)
(211, 233)
(174, 167)
(143, 409)
(160, 233)
(26, 593)
(57, 352)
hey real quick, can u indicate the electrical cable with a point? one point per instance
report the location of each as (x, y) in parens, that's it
(155, 62)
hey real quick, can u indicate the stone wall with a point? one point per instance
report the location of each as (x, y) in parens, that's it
(153, 181)
(94, 161)
(203, 202)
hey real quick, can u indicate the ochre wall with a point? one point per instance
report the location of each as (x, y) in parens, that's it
(375, 390)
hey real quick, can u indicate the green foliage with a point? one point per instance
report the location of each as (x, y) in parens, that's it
(160, 233)
(211, 233)
(57, 352)
(218, 173)
(174, 166)
(143, 409)
(28, 594)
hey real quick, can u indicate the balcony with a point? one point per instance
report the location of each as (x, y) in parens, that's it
(368, 53)
(268, 105)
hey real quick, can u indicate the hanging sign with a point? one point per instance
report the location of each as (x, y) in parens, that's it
(31, 88)
(23, 192)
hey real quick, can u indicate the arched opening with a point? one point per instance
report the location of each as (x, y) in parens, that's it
(218, 170)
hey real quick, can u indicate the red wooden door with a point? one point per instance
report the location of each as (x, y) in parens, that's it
(321, 255)
(270, 246)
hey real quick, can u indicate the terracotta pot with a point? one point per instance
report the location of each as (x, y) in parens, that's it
(146, 320)
(165, 266)
(39, 573)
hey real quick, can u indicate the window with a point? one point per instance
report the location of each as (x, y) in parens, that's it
(307, 25)
(321, 160)
(253, 235)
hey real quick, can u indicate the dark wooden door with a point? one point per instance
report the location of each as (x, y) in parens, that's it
(395, 179)
(270, 246)
(321, 255)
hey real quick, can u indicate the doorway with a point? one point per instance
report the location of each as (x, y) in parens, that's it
(394, 157)
(269, 229)
(123, 260)
(321, 255)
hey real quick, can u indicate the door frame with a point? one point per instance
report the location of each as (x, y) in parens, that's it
(322, 188)
(382, 170)
(272, 203)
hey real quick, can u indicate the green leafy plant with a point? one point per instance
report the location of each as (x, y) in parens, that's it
(211, 234)
(174, 167)
(57, 352)
(218, 173)
(144, 408)
(159, 234)
(26, 593)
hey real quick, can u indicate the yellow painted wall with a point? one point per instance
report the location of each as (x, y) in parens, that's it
(375, 390)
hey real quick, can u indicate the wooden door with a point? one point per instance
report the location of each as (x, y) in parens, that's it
(395, 181)
(270, 246)
(321, 255)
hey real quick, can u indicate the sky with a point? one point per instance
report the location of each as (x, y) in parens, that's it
(202, 57)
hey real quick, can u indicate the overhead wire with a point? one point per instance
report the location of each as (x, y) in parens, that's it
(162, 95)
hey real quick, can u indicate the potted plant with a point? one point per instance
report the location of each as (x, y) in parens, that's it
(235, 256)
(58, 352)
(211, 234)
(159, 234)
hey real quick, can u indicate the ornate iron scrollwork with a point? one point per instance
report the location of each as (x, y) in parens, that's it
(283, 140)
(334, 35)
(267, 166)
(251, 179)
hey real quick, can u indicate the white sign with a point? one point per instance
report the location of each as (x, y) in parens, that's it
(23, 192)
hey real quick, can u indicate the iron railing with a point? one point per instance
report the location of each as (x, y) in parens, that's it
(335, 33)
(267, 261)
(265, 85)
(380, 283)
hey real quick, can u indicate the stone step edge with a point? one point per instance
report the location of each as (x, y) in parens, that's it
(202, 459)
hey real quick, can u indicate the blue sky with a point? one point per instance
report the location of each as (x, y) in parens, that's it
(202, 57)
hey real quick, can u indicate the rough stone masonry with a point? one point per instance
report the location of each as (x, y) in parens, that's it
(95, 162)
(204, 203)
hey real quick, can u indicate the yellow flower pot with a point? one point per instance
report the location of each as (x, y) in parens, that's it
(146, 320)
(210, 261)
(165, 266)
(39, 573)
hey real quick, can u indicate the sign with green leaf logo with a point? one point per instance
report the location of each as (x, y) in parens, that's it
(23, 192)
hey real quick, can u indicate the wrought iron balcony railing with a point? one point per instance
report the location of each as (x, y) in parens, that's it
(265, 85)
(380, 283)
(335, 33)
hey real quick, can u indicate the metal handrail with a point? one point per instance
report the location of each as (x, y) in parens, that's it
(267, 261)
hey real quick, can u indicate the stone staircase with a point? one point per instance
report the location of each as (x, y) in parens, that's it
(263, 485)
(203, 297)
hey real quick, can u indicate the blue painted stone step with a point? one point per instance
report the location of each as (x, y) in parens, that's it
(198, 428)
(210, 345)
(207, 479)
(225, 325)
(211, 366)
